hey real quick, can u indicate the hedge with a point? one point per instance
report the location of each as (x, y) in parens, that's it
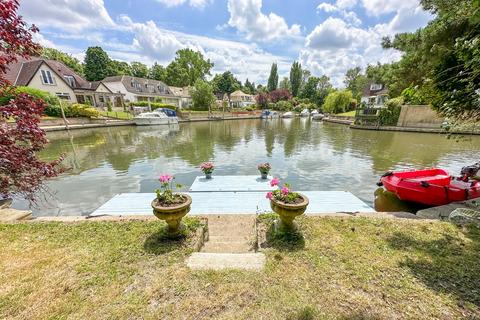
(153, 105)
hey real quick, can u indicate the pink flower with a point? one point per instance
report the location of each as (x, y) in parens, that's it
(269, 195)
(165, 178)
(284, 191)
(274, 182)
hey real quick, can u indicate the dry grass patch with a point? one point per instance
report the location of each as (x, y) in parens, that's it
(340, 268)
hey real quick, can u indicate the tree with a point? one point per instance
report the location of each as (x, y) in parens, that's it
(188, 67)
(262, 100)
(285, 84)
(71, 62)
(442, 60)
(296, 76)
(316, 89)
(96, 64)
(279, 95)
(226, 83)
(139, 69)
(355, 81)
(272, 83)
(118, 68)
(338, 101)
(22, 173)
(249, 87)
(202, 95)
(157, 72)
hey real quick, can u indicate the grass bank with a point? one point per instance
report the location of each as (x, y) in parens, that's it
(341, 268)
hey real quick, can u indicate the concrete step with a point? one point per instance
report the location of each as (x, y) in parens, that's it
(227, 247)
(222, 261)
(10, 215)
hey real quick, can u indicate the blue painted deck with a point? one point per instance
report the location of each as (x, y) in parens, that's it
(231, 183)
(204, 203)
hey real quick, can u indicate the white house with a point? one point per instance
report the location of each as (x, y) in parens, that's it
(374, 94)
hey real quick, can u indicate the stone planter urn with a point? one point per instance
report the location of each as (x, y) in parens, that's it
(288, 212)
(264, 175)
(208, 175)
(172, 215)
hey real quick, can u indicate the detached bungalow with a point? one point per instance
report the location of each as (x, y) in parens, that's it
(374, 94)
(140, 89)
(59, 80)
(240, 99)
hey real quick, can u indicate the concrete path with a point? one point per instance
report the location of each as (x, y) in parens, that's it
(11, 215)
(222, 261)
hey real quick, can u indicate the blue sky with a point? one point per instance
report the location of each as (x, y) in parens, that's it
(244, 36)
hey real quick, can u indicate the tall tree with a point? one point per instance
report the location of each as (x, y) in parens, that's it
(249, 87)
(202, 95)
(96, 64)
(71, 62)
(188, 67)
(226, 83)
(296, 76)
(157, 72)
(285, 84)
(139, 69)
(118, 68)
(316, 89)
(272, 83)
(355, 82)
(22, 173)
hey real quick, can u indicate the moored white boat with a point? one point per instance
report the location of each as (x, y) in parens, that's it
(314, 112)
(318, 116)
(288, 114)
(154, 118)
(305, 113)
(267, 114)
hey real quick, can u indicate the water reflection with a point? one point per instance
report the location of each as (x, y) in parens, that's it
(311, 155)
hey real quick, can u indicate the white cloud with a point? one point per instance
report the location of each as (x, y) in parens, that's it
(380, 7)
(193, 3)
(327, 7)
(346, 4)
(246, 16)
(72, 15)
(349, 16)
(334, 33)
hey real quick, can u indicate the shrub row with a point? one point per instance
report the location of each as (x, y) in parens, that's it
(72, 110)
(153, 105)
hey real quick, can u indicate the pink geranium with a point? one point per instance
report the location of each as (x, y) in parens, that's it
(207, 167)
(269, 195)
(165, 178)
(284, 191)
(274, 182)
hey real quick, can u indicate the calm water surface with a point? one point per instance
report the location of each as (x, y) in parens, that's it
(310, 155)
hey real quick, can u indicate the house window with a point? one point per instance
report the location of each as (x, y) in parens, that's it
(375, 86)
(101, 99)
(63, 95)
(47, 77)
(70, 80)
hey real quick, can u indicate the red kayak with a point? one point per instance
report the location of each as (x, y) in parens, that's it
(432, 187)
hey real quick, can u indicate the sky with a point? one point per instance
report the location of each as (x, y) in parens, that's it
(244, 36)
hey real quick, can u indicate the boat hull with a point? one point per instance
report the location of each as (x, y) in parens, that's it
(431, 187)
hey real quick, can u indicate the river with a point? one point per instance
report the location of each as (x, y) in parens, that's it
(309, 155)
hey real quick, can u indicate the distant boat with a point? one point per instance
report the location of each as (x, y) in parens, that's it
(314, 112)
(267, 114)
(157, 117)
(318, 116)
(305, 113)
(288, 114)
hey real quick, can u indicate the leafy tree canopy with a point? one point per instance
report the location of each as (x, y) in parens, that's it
(296, 78)
(273, 78)
(202, 95)
(139, 69)
(71, 62)
(187, 67)
(96, 64)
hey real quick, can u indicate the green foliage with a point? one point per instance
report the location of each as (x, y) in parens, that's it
(138, 69)
(296, 76)
(117, 68)
(49, 99)
(96, 64)
(157, 72)
(285, 84)
(225, 83)
(202, 95)
(389, 116)
(153, 105)
(337, 101)
(249, 87)
(71, 62)
(316, 89)
(355, 81)
(81, 110)
(273, 78)
(109, 105)
(282, 106)
(188, 67)
(413, 96)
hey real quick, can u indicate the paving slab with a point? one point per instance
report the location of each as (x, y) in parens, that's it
(10, 215)
(223, 261)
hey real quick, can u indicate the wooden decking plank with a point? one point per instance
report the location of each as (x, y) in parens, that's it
(231, 183)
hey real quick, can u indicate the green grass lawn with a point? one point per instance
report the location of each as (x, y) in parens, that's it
(117, 115)
(347, 114)
(341, 268)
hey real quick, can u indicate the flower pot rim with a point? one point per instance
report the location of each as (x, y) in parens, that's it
(174, 208)
(304, 203)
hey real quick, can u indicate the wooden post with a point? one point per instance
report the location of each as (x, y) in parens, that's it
(63, 115)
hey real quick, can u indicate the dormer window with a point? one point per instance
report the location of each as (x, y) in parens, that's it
(47, 77)
(375, 86)
(70, 80)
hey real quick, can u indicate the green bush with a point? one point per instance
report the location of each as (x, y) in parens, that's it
(153, 105)
(53, 111)
(338, 101)
(109, 105)
(81, 110)
(283, 106)
(389, 115)
(249, 109)
(414, 96)
(49, 99)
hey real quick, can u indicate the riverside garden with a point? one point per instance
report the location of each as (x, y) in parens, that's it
(247, 218)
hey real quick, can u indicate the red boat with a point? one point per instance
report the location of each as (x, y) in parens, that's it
(432, 187)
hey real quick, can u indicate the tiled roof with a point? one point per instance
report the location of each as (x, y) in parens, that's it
(27, 71)
(368, 93)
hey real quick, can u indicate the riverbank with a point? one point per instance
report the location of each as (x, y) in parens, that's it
(59, 125)
(56, 270)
